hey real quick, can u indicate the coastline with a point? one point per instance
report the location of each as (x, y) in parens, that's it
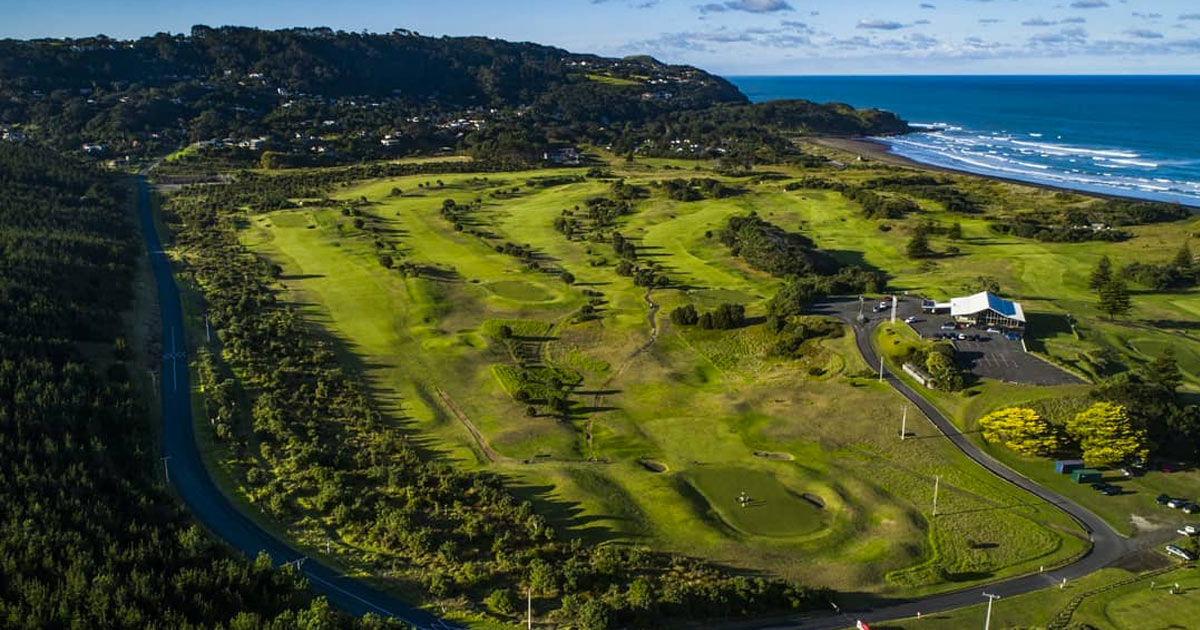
(871, 149)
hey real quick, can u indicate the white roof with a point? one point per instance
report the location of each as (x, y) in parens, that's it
(984, 301)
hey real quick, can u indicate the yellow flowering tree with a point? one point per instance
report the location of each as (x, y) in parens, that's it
(1021, 430)
(1106, 435)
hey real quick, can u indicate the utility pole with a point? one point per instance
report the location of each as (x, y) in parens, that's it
(327, 544)
(937, 480)
(207, 331)
(987, 621)
(894, 301)
(904, 424)
(881, 368)
(166, 470)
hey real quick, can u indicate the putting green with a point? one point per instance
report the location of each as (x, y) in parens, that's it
(773, 509)
(519, 290)
(1139, 608)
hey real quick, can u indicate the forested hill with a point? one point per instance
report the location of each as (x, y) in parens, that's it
(357, 94)
(89, 538)
(453, 70)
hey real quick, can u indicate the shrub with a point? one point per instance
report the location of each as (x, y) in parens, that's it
(1021, 430)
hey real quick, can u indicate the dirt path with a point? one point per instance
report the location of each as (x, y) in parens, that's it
(488, 452)
(598, 399)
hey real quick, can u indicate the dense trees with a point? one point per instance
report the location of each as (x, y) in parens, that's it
(313, 96)
(724, 317)
(89, 538)
(1180, 273)
(1151, 399)
(313, 451)
(770, 248)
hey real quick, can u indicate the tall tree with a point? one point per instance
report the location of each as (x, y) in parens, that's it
(1106, 435)
(1183, 258)
(918, 245)
(1164, 373)
(1114, 298)
(1101, 274)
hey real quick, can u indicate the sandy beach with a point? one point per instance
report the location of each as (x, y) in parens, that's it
(872, 150)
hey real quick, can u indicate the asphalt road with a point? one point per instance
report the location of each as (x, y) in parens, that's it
(187, 473)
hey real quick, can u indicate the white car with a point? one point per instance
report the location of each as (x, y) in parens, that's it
(1180, 553)
(1188, 530)
(911, 320)
(993, 330)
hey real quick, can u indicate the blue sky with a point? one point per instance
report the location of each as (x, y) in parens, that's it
(725, 36)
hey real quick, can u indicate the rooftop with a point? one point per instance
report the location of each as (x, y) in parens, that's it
(986, 300)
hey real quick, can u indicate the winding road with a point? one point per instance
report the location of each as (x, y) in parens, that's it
(186, 472)
(1107, 545)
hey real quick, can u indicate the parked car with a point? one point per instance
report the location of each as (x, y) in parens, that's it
(1162, 499)
(1179, 552)
(1190, 508)
(1012, 336)
(911, 320)
(949, 326)
(962, 337)
(1188, 530)
(1176, 503)
(1110, 491)
(993, 330)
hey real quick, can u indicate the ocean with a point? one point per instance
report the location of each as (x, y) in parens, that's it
(1136, 136)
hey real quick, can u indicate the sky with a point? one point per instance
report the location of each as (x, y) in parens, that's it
(729, 37)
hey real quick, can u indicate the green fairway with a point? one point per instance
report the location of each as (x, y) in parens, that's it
(666, 426)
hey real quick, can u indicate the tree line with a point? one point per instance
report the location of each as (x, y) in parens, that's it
(89, 538)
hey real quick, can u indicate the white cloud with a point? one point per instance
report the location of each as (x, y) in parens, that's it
(749, 6)
(1143, 33)
(882, 25)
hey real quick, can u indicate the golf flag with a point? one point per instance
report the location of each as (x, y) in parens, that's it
(861, 626)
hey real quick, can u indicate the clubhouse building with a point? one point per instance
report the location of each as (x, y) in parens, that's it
(983, 309)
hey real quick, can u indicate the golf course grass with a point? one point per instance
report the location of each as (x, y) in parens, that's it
(668, 426)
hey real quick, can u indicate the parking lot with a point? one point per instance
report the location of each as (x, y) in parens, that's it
(990, 356)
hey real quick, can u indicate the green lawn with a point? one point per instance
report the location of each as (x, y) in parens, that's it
(711, 410)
